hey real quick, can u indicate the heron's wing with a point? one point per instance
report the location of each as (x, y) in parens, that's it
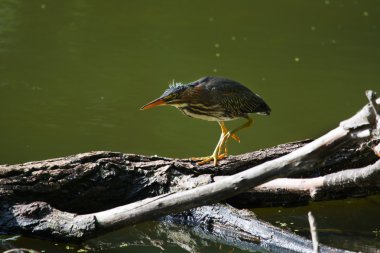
(239, 99)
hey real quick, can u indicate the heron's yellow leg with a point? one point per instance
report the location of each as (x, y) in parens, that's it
(231, 133)
(245, 125)
(225, 130)
(209, 158)
(216, 155)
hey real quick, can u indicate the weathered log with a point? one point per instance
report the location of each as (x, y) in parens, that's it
(84, 183)
(100, 180)
(315, 153)
(229, 225)
(42, 220)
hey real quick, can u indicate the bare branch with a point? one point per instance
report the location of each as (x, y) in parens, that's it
(335, 185)
(313, 232)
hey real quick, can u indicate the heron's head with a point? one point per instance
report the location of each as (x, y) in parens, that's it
(174, 95)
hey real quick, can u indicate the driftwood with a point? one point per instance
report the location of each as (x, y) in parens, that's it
(92, 184)
(100, 180)
(218, 223)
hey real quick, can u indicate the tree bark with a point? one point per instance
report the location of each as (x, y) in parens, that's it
(100, 180)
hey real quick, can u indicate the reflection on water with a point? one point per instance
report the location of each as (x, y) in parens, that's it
(339, 223)
(73, 74)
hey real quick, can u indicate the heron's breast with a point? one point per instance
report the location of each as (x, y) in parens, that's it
(199, 111)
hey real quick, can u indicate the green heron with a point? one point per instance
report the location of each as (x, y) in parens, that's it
(214, 99)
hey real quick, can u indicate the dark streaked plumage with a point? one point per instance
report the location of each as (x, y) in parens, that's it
(214, 99)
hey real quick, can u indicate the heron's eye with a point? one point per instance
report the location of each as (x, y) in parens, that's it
(171, 97)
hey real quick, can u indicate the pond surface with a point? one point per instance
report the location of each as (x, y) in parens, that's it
(74, 73)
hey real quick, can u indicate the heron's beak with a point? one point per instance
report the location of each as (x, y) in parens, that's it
(158, 101)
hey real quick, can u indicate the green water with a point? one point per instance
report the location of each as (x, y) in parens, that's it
(73, 74)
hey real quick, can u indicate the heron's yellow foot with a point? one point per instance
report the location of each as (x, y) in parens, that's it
(198, 158)
(221, 151)
(202, 158)
(214, 158)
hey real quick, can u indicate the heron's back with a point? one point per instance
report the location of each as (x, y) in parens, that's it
(236, 99)
(221, 99)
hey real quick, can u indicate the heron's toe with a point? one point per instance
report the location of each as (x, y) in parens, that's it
(215, 158)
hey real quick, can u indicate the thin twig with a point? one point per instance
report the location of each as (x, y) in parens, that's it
(313, 231)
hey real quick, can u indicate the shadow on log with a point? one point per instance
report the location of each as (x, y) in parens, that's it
(39, 198)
